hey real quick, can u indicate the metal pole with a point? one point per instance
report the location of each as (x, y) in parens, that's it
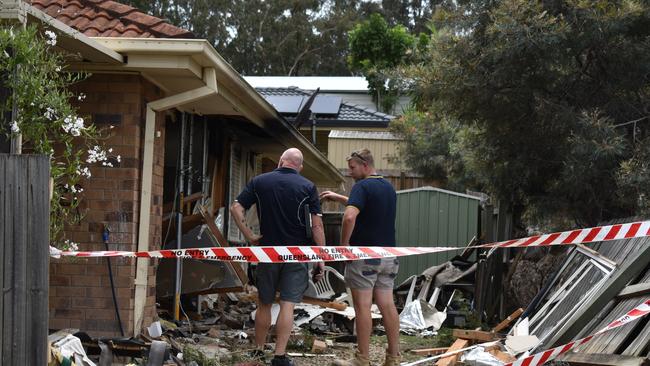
(313, 129)
(179, 218)
(190, 175)
(206, 180)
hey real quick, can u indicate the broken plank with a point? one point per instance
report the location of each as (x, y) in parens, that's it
(474, 335)
(635, 290)
(430, 351)
(505, 322)
(214, 230)
(601, 359)
(451, 360)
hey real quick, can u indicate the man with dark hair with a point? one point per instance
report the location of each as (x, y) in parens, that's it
(369, 220)
(281, 197)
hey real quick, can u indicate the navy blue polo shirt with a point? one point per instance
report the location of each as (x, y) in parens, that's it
(280, 197)
(376, 200)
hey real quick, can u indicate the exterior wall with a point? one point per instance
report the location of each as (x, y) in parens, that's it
(339, 149)
(80, 290)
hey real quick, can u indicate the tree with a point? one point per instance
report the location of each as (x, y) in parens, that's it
(47, 121)
(257, 37)
(541, 97)
(375, 48)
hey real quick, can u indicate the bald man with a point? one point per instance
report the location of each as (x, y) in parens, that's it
(280, 196)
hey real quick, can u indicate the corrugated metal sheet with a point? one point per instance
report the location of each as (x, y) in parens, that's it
(432, 217)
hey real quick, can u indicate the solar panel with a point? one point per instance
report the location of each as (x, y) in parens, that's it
(326, 104)
(286, 103)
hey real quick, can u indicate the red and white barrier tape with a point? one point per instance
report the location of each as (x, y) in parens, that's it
(541, 358)
(285, 254)
(278, 254)
(579, 236)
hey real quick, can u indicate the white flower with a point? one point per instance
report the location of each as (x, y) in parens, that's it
(14, 127)
(96, 154)
(74, 125)
(50, 114)
(84, 172)
(70, 245)
(57, 69)
(51, 37)
(119, 158)
(81, 97)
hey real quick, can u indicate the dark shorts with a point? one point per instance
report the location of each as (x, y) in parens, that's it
(371, 273)
(291, 279)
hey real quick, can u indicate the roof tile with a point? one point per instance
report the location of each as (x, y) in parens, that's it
(106, 18)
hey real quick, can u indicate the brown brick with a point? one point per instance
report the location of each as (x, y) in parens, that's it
(99, 292)
(85, 281)
(59, 302)
(69, 313)
(59, 280)
(129, 185)
(93, 194)
(70, 291)
(73, 269)
(59, 323)
(103, 205)
(92, 303)
(123, 173)
(119, 281)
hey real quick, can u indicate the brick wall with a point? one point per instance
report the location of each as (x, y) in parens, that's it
(80, 292)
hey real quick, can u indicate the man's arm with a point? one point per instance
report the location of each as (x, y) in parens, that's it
(238, 213)
(349, 220)
(317, 229)
(332, 196)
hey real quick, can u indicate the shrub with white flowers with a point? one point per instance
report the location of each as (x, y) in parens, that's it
(47, 121)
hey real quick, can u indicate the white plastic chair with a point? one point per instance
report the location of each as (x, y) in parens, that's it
(324, 289)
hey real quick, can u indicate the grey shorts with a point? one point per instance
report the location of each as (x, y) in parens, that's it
(371, 273)
(291, 279)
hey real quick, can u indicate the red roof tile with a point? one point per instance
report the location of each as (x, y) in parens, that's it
(105, 18)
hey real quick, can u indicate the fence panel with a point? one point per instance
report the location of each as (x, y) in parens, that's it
(24, 254)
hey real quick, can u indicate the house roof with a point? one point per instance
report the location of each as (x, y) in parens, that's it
(105, 18)
(350, 84)
(349, 115)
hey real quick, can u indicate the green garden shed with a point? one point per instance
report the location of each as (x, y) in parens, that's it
(433, 217)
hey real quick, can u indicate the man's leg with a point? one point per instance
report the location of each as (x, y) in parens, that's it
(386, 305)
(283, 327)
(362, 299)
(262, 324)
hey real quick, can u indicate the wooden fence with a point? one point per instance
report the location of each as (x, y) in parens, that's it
(24, 255)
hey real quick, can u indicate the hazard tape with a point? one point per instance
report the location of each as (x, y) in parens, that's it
(279, 254)
(579, 236)
(541, 358)
(288, 254)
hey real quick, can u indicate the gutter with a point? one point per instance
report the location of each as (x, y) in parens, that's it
(160, 105)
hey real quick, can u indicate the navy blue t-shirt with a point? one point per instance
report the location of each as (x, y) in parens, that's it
(376, 200)
(280, 197)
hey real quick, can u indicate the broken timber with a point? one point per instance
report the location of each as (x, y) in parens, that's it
(218, 236)
(505, 322)
(474, 335)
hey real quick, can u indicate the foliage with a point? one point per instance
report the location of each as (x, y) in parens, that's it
(539, 95)
(375, 47)
(257, 37)
(47, 121)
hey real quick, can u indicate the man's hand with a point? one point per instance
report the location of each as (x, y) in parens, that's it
(254, 240)
(317, 272)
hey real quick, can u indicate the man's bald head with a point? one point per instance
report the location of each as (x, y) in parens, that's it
(291, 158)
